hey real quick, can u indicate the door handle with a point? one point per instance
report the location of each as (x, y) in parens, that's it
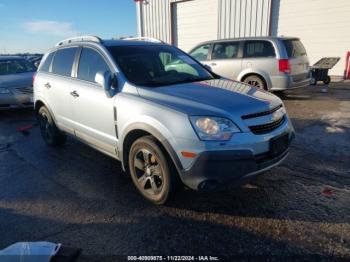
(213, 64)
(74, 94)
(47, 85)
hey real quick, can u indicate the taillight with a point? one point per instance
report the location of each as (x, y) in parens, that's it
(284, 66)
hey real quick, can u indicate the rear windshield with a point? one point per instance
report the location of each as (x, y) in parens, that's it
(294, 48)
(16, 66)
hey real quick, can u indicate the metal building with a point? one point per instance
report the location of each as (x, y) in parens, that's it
(322, 25)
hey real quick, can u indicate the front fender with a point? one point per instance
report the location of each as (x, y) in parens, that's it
(156, 129)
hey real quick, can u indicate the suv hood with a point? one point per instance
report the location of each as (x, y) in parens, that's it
(212, 97)
(17, 80)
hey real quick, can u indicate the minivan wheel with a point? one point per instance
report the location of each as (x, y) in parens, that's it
(255, 81)
(49, 131)
(149, 170)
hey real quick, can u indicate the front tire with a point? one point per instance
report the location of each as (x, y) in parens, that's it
(149, 170)
(256, 81)
(49, 131)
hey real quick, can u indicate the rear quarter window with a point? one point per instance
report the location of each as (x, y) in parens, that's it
(254, 49)
(63, 61)
(294, 48)
(45, 67)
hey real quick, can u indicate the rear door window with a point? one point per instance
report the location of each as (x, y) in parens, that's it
(294, 48)
(225, 50)
(63, 61)
(47, 63)
(90, 63)
(258, 48)
(201, 52)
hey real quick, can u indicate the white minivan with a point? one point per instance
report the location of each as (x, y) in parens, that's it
(270, 63)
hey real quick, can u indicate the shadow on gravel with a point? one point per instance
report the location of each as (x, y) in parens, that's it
(158, 235)
(334, 91)
(18, 114)
(80, 197)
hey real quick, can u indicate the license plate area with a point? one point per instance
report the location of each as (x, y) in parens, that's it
(279, 144)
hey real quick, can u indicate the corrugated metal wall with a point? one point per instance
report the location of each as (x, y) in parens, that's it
(236, 18)
(194, 23)
(155, 19)
(243, 18)
(322, 26)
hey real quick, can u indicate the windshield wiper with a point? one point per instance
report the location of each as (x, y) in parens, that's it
(188, 80)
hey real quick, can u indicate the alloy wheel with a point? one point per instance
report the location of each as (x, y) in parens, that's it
(148, 172)
(254, 83)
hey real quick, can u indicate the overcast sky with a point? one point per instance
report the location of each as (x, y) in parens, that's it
(37, 25)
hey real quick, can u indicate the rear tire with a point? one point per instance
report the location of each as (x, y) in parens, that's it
(150, 170)
(256, 81)
(49, 131)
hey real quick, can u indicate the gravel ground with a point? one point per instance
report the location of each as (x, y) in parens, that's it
(79, 197)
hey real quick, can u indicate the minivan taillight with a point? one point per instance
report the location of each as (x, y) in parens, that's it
(284, 66)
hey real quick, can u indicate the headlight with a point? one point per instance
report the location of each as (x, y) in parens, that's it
(213, 128)
(4, 91)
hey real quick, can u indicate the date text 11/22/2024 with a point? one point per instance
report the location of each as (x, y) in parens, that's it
(173, 258)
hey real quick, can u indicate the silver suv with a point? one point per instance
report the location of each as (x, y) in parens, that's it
(271, 63)
(166, 123)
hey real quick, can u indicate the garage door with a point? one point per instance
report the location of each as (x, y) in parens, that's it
(322, 25)
(194, 22)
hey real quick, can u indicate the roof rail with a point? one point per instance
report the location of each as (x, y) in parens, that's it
(144, 38)
(80, 39)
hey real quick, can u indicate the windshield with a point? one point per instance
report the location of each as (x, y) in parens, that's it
(157, 65)
(16, 66)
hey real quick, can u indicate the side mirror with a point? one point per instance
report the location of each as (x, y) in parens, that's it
(107, 81)
(37, 63)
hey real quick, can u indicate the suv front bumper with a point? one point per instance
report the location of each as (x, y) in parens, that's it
(8, 101)
(216, 169)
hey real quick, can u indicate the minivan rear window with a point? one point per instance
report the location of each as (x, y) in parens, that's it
(258, 48)
(294, 48)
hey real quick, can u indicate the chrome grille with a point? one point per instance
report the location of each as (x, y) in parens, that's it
(265, 128)
(25, 90)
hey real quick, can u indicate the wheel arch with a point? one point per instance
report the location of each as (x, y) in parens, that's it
(38, 104)
(264, 76)
(137, 130)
